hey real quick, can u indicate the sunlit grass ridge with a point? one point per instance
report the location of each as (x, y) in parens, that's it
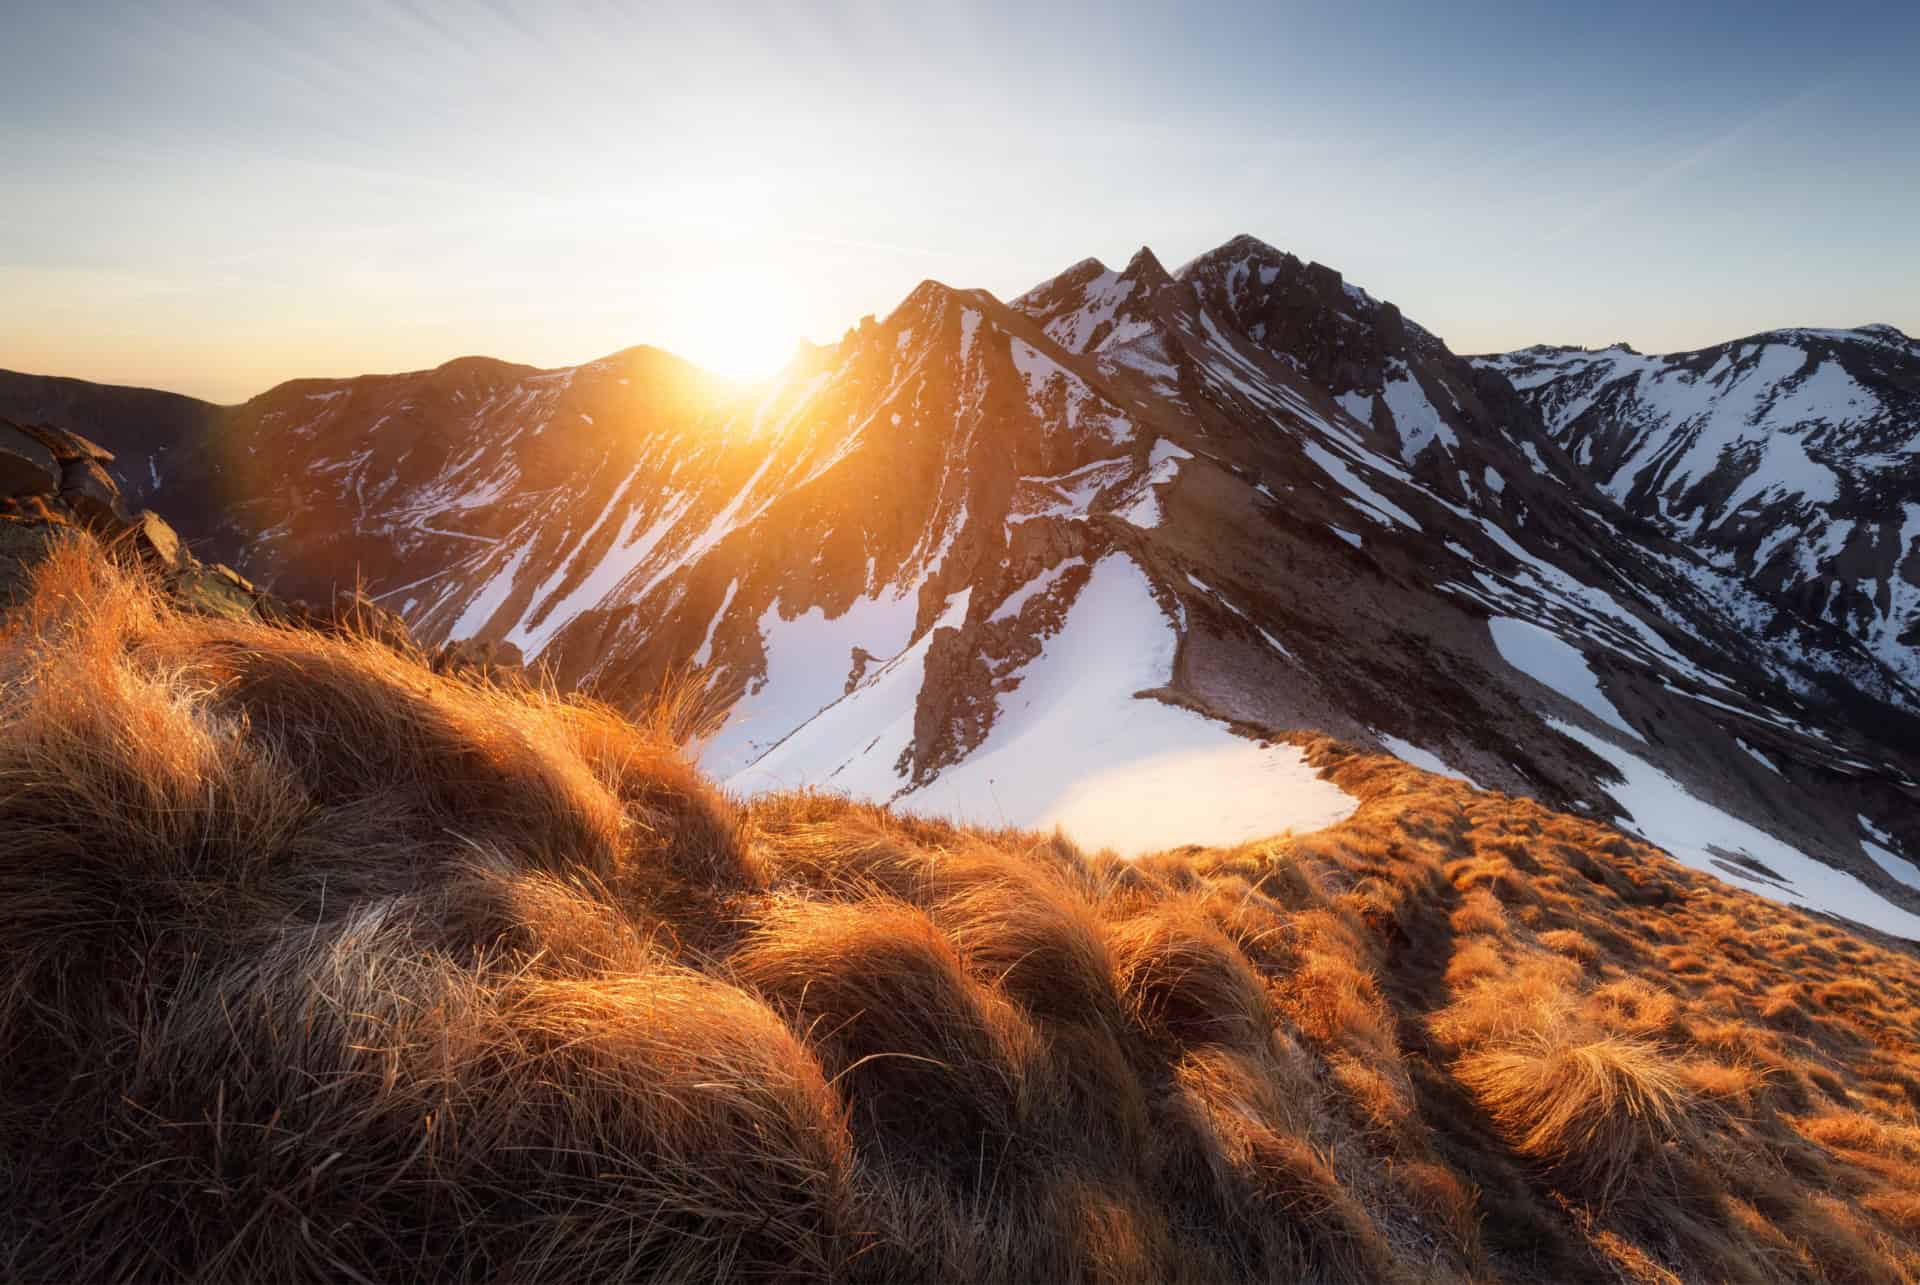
(320, 965)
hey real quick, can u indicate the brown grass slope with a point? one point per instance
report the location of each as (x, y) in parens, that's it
(317, 965)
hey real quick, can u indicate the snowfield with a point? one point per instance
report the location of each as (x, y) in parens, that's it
(1073, 746)
(808, 659)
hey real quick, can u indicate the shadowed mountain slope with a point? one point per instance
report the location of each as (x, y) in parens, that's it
(1788, 458)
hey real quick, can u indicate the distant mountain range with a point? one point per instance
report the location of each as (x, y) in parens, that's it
(1098, 554)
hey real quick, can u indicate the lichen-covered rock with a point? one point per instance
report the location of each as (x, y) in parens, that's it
(233, 577)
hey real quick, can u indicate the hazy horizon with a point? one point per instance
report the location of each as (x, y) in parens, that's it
(214, 202)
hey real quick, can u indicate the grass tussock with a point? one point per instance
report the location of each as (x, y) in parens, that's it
(1598, 1113)
(319, 964)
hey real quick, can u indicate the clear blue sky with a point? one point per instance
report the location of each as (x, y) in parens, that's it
(214, 197)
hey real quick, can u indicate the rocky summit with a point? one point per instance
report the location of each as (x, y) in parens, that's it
(1107, 554)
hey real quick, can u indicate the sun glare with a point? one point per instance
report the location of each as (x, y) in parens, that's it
(738, 320)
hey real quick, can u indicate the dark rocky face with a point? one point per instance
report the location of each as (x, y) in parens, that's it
(1787, 458)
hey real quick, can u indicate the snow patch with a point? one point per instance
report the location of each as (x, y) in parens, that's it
(1163, 465)
(808, 658)
(1368, 501)
(969, 322)
(1102, 299)
(1033, 589)
(1425, 760)
(705, 653)
(1757, 756)
(1419, 422)
(491, 597)
(1556, 666)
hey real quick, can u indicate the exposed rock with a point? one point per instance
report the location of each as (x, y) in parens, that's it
(156, 540)
(27, 467)
(91, 494)
(233, 577)
(956, 703)
(861, 659)
(499, 661)
(67, 446)
(204, 589)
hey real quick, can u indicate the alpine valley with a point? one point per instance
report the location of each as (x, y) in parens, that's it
(1108, 554)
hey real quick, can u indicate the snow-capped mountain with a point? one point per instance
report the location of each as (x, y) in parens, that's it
(1090, 557)
(1787, 458)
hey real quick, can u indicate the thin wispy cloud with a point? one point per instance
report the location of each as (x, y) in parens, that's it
(1687, 160)
(554, 181)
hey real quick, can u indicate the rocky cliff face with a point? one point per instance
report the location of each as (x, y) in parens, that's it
(1089, 557)
(1787, 459)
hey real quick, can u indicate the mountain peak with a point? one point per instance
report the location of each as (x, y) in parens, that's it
(928, 299)
(1145, 267)
(1071, 281)
(1239, 249)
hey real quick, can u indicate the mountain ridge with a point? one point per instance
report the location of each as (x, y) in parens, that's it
(1298, 505)
(1784, 456)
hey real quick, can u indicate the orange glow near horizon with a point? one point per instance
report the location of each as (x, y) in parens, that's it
(735, 321)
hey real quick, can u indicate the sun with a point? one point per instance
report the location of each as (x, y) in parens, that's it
(737, 320)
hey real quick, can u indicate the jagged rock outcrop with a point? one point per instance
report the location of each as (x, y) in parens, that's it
(1786, 459)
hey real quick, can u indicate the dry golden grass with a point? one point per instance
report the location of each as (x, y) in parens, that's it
(1599, 1114)
(320, 965)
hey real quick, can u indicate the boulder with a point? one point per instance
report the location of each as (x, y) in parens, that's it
(233, 577)
(65, 444)
(155, 539)
(470, 655)
(91, 494)
(205, 590)
(27, 467)
(77, 447)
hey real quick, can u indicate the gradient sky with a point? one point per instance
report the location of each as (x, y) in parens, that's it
(213, 197)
